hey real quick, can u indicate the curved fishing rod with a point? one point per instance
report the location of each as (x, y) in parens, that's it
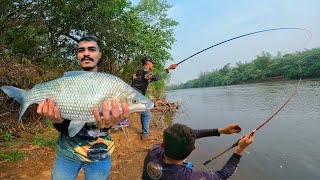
(274, 29)
(253, 131)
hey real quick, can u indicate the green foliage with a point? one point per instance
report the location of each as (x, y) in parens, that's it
(25, 60)
(45, 32)
(263, 67)
(47, 123)
(156, 88)
(7, 136)
(13, 155)
(42, 141)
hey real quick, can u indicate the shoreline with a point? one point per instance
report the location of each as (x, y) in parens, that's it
(254, 82)
(127, 158)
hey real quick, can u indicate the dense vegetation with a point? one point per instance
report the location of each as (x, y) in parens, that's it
(38, 40)
(263, 67)
(44, 33)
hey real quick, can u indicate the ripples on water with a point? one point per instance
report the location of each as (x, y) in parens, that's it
(286, 148)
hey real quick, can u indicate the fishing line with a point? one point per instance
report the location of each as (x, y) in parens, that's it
(248, 34)
(261, 31)
(264, 123)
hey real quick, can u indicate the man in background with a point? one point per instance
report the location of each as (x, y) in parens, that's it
(140, 81)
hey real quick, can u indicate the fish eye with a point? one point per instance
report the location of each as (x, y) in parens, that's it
(135, 101)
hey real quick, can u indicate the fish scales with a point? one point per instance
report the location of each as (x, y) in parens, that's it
(78, 92)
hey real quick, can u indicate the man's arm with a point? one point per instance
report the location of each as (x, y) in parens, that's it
(227, 170)
(156, 77)
(232, 164)
(201, 133)
(61, 126)
(229, 129)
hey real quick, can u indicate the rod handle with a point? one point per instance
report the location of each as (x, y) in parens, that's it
(236, 143)
(207, 162)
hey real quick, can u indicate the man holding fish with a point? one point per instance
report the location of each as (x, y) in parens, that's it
(76, 102)
(92, 146)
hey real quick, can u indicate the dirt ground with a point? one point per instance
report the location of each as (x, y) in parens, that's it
(127, 158)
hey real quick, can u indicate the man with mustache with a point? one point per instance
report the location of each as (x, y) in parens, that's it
(91, 148)
(140, 81)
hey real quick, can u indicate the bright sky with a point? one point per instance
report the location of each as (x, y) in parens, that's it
(203, 23)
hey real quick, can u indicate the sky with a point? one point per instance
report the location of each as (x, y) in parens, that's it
(203, 23)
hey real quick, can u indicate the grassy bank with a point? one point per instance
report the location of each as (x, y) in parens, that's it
(30, 154)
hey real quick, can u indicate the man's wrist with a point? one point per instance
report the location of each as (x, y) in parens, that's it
(57, 121)
(105, 129)
(238, 151)
(220, 131)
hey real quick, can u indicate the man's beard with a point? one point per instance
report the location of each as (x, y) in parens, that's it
(88, 68)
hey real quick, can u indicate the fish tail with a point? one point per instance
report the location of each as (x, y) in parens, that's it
(18, 95)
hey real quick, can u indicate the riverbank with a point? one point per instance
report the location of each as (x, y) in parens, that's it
(37, 157)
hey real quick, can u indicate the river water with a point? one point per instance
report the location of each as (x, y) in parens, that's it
(288, 147)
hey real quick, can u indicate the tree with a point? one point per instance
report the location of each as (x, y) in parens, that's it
(46, 31)
(260, 69)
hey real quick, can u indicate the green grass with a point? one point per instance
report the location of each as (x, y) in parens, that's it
(7, 136)
(43, 141)
(47, 123)
(13, 155)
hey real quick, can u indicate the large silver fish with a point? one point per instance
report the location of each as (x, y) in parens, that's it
(77, 93)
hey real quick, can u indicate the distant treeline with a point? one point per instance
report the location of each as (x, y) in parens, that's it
(263, 68)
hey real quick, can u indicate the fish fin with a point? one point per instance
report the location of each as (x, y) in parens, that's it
(18, 95)
(75, 127)
(74, 73)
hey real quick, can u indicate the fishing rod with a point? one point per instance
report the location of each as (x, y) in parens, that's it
(261, 31)
(259, 127)
(286, 102)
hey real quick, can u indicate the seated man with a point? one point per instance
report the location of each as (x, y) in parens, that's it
(166, 160)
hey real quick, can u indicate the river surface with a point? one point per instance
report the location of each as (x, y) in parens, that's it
(288, 147)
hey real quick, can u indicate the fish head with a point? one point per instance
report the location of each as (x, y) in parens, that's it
(136, 101)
